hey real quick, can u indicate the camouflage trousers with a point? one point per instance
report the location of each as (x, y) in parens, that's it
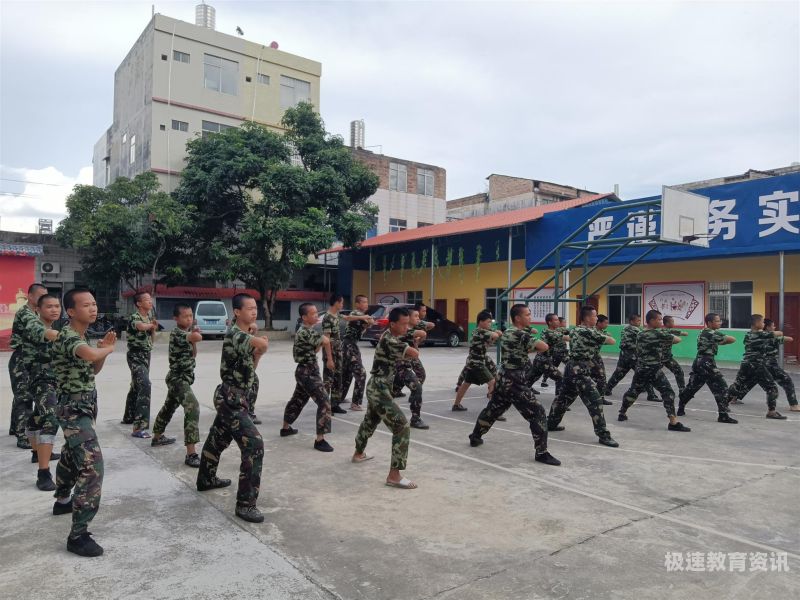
(179, 393)
(43, 422)
(489, 365)
(233, 422)
(252, 395)
(309, 385)
(599, 375)
(80, 469)
(705, 371)
(407, 376)
(645, 379)
(333, 378)
(542, 365)
(782, 378)
(675, 368)
(512, 388)
(750, 375)
(626, 362)
(137, 404)
(578, 381)
(22, 403)
(556, 359)
(353, 371)
(382, 407)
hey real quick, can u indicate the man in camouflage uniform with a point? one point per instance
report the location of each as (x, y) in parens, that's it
(649, 360)
(182, 352)
(667, 359)
(380, 402)
(753, 369)
(780, 376)
(512, 386)
(43, 423)
(352, 365)
(544, 362)
(598, 366)
(307, 342)
(409, 371)
(26, 326)
(705, 371)
(80, 470)
(141, 332)
(241, 352)
(480, 368)
(627, 357)
(584, 340)
(332, 375)
(560, 352)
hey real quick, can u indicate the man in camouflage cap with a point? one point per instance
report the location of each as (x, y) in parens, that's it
(649, 348)
(705, 371)
(142, 328)
(780, 376)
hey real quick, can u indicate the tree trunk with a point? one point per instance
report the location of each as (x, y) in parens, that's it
(266, 307)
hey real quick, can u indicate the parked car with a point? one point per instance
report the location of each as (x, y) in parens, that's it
(212, 317)
(445, 331)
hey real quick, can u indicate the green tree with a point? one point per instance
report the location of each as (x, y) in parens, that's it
(258, 216)
(124, 231)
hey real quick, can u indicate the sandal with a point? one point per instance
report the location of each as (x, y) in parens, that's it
(356, 407)
(142, 434)
(361, 459)
(458, 407)
(403, 484)
(776, 415)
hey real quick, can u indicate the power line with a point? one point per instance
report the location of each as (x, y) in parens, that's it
(36, 182)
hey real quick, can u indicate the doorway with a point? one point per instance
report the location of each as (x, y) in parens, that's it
(440, 306)
(462, 314)
(791, 321)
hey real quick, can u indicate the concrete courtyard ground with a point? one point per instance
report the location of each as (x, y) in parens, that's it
(486, 522)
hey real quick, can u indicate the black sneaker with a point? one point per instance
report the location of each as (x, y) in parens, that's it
(458, 407)
(555, 428)
(653, 399)
(249, 513)
(776, 415)
(678, 427)
(162, 440)
(24, 444)
(84, 545)
(547, 459)
(608, 441)
(288, 432)
(254, 418)
(726, 418)
(62, 509)
(323, 446)
(545, 384)
(419, 424)
(621, 417)
(192, 460)
(44, 481)
(681, 410)
(607, 402)
(338, 410)
(500, 418)
(475, 441)
(214, 483)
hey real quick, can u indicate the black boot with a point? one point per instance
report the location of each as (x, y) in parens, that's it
(44, 480)
(84, 545)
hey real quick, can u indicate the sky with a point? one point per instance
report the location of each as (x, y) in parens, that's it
(590, 94)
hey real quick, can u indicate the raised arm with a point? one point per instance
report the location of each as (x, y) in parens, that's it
(97, 356)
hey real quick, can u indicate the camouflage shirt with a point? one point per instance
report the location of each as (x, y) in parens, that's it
(355, 329)
(708, 342)
(561, 346)
(553, 337)
(73, 374)
(139, 341)
(772, 349)
(650, 346)
(29, 330)
(306, 343)
(515, 345)
(388, 352)
(757, 346)
(408, 338)
(181, 359)
(481, 339)
(330, 326)
(42, 365)
(22, 319)
(666, 349)
(627, 345)
(584, 343)
(236, 367)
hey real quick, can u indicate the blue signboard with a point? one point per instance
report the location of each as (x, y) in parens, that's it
(759, 216)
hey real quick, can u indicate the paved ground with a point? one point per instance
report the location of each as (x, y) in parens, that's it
(485, 522)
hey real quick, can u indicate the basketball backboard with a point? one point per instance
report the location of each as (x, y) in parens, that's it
(684, 217)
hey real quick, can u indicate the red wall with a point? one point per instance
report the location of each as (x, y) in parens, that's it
(16, 274)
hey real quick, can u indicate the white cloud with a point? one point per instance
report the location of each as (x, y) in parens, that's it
(32, 194)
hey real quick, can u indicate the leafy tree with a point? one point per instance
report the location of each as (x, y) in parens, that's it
(258, 216)
(124, 231)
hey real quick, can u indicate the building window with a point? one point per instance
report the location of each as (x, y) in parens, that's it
(133, 149)
(498, 308)
(733, 301)
(398, 177)
(221, 75)
(623, 301)
(294, 91)
(424, 182)
(397, 224)
(423, 224)
(211, 127)
(414, 297)
(180, 56)
(180, 125)
(162, 127)
(124, 138)
(263, 79)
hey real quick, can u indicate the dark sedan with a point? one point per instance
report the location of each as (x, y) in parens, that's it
(445, 331)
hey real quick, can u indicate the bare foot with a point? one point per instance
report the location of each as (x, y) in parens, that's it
(795, 408)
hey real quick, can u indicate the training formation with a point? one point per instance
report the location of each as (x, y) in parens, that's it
(53, 381)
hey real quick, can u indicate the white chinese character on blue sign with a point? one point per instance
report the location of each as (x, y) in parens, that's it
(721, 217)
(776, 213)
(599, 227)
(641, 226)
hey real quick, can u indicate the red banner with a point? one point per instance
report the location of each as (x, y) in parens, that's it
(16, 274)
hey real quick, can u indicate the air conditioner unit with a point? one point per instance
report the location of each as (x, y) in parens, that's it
(50, 268)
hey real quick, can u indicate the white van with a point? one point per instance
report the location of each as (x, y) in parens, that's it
(212, 317)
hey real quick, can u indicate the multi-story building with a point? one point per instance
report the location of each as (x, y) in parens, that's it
(511, 193)
(180, 80)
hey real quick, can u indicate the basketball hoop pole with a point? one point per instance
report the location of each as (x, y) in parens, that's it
(780, 303)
